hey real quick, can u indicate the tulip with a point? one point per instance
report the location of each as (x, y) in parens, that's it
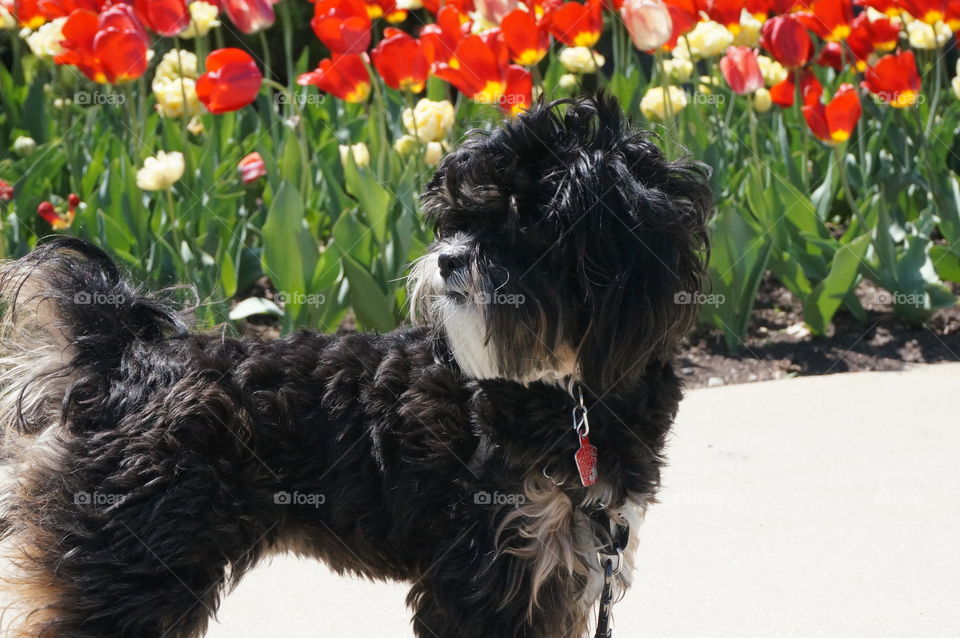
(440, 39)
(110, 47)
(834, 122)
(894, 79)
(929, 11)
(928, 36)
(252, 168)
(725, 12)
(519, 92)
(527, 41)
(648, 22)
(430, 121)
(684, 16)
(204, 17)
(161, 172)
(678, 69)
(890, 7)
(708, 39)
(494, 11)
(478, 68)
(762, 100)
(7, 19)
(231, 82)
(24, 146)
(655, 106)
(27, 13)
(249, 16)
(342, 25)
(772, 71)
(741, 70)
(433, 153)
(787, 41)
(581, 60)
(176, 97)
(405, 145)
(830, 19)
(344, 76)
(401, 61)
(164, 17)
(578, 25)
(359, 152)
(46, 41)
(782, 93)
(831, 55)
(56, 219)
(6, 191)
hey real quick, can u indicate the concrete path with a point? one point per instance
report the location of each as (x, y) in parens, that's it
(814, 507)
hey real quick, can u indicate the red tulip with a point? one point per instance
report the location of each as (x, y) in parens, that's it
(889, 7)
(519, 92)
(401, 61)
(386, 9)
(787, 41)
(53, 9)
(56, 219)
(28, 13)
(110, 47)
(684, 16)
(344, 76)
(726, 12)
(440, 39)
(250, 16)
(478, 68)
(164, 17)
(578, 25)
(6, 191)
(834, 122)
(929, 11)
(831, 55)
(782, 94)
(894, 79)
(342, 25)
(953, 15)
(252, 168)
(231, 82)
(527, 41)
(760, 9)
(741, 70)
(830, 19)
(434, 6)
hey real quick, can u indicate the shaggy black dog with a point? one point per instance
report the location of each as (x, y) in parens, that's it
(153, 467)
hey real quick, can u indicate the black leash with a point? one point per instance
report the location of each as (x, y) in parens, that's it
(611, 561)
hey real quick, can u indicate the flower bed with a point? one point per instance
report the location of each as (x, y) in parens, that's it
(202, 143)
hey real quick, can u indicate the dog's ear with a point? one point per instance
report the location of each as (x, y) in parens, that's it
(644, 259)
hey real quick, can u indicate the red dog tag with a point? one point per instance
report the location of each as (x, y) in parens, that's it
(586, 458)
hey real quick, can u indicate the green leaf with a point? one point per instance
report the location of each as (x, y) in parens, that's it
(946, 262)
(373, 307)
(375, 201)
(289, 251)
(829, 294)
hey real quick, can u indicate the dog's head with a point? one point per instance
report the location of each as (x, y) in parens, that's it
(567, 247)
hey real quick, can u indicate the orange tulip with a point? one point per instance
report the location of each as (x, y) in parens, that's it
(741, 70)
(342, 25)
(525, 39)
(478, 68)
(110, 47)
(401, 61)
(164, 17)
(834, 122)
(830, 19)
(519, 92)
(894, 79)
(577, 25)
(232, 81)
(929, 11)
(344, 76)
(787, 41)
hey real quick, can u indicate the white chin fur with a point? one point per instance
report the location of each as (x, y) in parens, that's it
(464, 326)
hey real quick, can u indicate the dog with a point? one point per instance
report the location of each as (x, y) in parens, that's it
(494, 454)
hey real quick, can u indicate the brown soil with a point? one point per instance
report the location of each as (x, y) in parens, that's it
(778, 346)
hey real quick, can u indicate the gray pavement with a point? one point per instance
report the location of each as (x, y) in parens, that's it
(822, 506)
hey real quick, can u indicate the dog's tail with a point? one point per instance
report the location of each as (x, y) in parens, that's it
(69, 317)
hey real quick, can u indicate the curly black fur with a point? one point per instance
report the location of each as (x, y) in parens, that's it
(155, 467)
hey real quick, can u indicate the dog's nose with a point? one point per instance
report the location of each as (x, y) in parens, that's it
(448, 262)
